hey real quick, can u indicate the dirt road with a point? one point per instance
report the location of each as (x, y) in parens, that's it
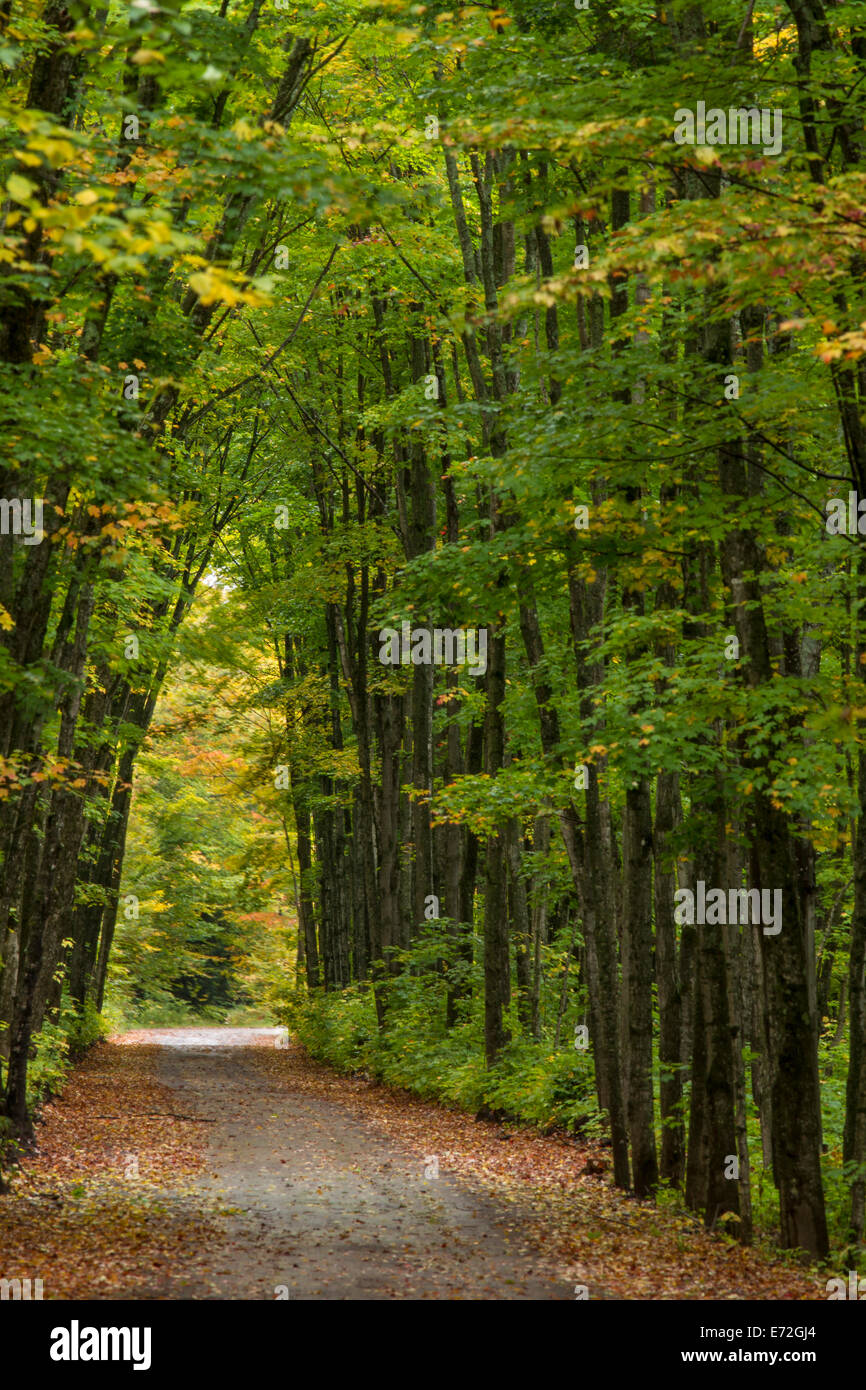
(226, 1163)
(320, 1205)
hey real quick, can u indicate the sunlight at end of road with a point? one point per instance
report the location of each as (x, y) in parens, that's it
(201, 1037)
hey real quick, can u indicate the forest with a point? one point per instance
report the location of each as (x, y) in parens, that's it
(431, 574)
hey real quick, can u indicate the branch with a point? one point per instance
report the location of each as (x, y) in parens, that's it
(230, 390)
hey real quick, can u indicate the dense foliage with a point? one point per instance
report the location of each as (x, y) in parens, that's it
(328, 330)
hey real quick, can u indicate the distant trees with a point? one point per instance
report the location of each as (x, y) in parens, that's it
(435, 323)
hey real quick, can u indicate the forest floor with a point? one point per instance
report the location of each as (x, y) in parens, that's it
(220, 1163)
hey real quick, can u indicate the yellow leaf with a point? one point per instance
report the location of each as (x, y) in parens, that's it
(19, 188)
(57, 152)
(160, 232)
(211, 287)
(148, 55)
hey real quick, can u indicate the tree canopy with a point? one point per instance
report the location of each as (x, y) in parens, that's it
(339, 343)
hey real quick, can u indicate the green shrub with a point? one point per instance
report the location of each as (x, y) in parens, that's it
(58, 1044)
(532, 1083)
